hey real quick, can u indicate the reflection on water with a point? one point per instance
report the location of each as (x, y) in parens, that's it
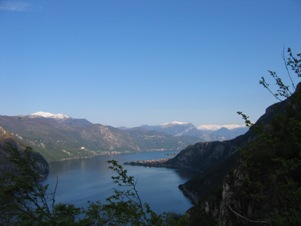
(90, 179)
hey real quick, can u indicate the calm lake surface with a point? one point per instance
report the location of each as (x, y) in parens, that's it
(90, 179)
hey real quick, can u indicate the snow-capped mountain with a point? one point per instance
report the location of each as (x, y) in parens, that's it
(204, 132)
(217, 127)
(50, 115)
(174, 128)
(179, 128)
(176, 123)
(58, 136)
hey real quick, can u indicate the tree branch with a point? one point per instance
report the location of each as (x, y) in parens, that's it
(241, 216)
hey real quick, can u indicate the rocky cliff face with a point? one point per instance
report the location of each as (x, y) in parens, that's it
(202, 156)
(213, 160)
(8, 144)
(262, 185)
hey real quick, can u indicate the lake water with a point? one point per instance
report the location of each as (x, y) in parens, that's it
(90, 179)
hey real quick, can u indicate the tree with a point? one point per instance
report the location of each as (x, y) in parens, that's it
(265, 186)
(272, 162)
(292, 64)
(23, 198)
(125, 206)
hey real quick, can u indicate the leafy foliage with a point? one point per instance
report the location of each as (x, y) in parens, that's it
(246, 119)
(273, 167)
(272, 162)
(265, 187)
(269, 191)
(292, 63)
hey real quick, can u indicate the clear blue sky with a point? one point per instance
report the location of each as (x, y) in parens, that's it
(134, 62)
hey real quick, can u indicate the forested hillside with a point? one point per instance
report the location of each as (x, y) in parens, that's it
(264, 186)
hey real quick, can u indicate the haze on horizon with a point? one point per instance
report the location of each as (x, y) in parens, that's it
(129, 63)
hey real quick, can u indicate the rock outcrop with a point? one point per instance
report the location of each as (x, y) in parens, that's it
(8, 144)
(262, 185)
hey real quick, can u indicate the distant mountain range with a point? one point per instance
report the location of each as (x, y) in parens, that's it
(205, 133)
(58, 136)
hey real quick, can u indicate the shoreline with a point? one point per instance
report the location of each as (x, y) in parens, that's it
(109, 154)
(162, 163)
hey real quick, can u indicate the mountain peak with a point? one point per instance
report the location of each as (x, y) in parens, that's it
(217, 127)
(176, 123)
(50, 115)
